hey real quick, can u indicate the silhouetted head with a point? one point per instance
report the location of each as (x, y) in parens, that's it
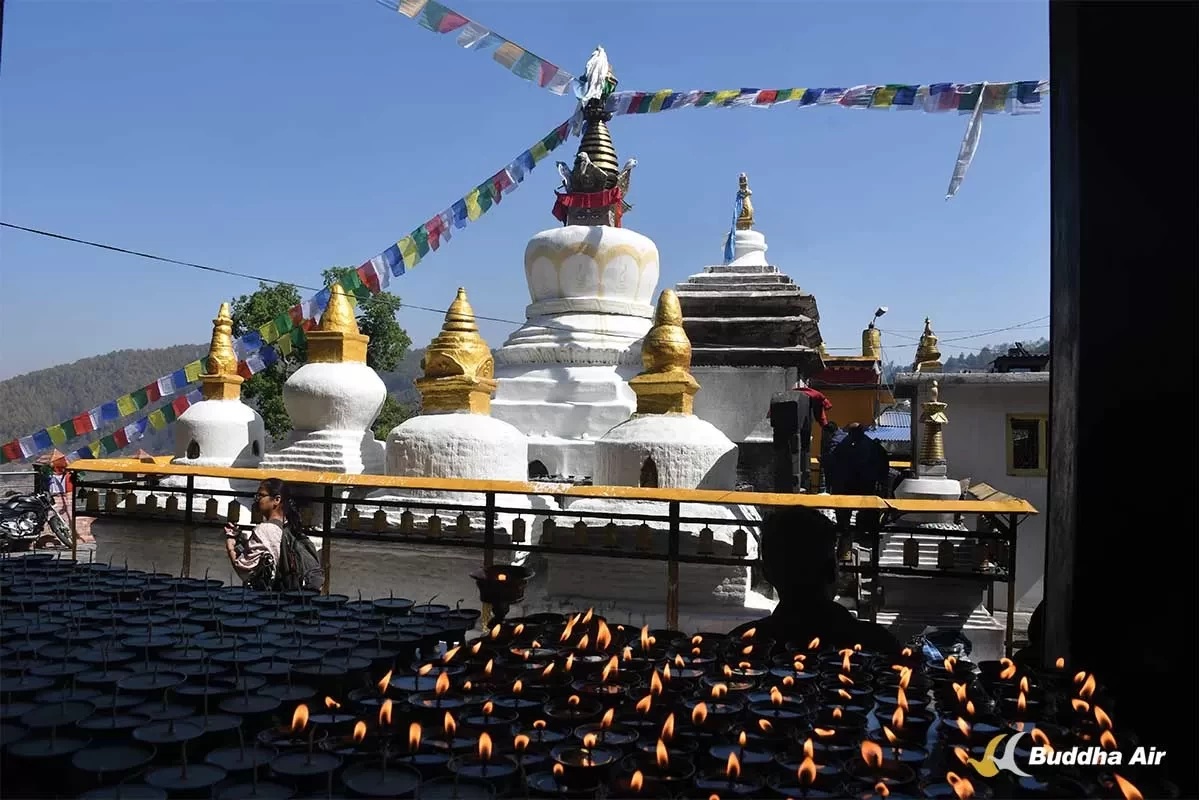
(799, 552)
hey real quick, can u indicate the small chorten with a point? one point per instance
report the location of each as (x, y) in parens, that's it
(221, 381)
(928, 357)
(747, 247)
(459, 369)
(666, 386)
(337, 338)
(933, 419)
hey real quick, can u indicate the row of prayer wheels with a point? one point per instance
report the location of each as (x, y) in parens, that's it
(974, 552)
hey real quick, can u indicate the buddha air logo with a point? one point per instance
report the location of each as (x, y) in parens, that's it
(1044, 756)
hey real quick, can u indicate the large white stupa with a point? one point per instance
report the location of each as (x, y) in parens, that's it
(562, 375)
(454, 436)
(220, 430)
(663, 445)
(333, 400)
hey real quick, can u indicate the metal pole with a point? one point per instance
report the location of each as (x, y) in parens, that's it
(1013, 521)
(489, 530)
(189, 528)
(327, 541)
(74, 523)
(672, 569)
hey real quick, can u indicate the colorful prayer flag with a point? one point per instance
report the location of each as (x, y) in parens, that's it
(57, 435)
(82, 424)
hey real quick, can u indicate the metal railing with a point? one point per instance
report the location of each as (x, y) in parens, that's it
(110, 487)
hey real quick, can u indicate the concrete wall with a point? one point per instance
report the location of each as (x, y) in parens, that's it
(976, 448)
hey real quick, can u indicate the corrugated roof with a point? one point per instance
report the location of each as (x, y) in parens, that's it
(889, 434)
(892, 418)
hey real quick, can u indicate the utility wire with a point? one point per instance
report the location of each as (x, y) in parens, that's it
(441, 311)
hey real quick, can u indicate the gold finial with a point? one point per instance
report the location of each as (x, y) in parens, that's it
(337, 338)
(221, 381)
(666, 386)
(459, 369)
(745, 220)
(933, 419)
(928, 357)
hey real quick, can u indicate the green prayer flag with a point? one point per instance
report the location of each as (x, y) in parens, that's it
(421, 237)
(57, 434)
(139, 398)
(354, 286)
(705, 99)
(168, 412)
(68, 429)
(109, 444)
(298, 336)
(283, 323)
(968, 100)
(485, 190)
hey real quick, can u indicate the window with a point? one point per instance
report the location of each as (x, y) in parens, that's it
(537, 471)
(256, 448)
(1027, 437)
(649, 475)
(193, 449)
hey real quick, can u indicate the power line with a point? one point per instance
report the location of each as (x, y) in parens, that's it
(441, 311)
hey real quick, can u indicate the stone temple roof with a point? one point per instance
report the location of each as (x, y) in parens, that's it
(749, 316)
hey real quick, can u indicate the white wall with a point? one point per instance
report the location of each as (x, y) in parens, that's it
(975, 448)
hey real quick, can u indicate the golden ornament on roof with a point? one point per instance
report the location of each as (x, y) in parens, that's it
(666, 385)
(458, 365)
(221, 381)
(745, 220)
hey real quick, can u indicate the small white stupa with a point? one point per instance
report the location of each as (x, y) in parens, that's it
(562, 374)
(749, 245)
(455, 436)
(663, 445)
(220, 430)
(333, 400)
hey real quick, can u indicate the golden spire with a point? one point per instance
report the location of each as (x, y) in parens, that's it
(459, 369)
(337, 338)
(928, 357)
(666, 386)
(933, 418)
(745, 220)
(221, 381)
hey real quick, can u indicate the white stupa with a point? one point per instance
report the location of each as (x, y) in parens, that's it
(562, 374)
(333, 400)
(220, 430)
(663, 445)
(454, 436)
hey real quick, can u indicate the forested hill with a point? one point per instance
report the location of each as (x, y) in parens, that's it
(36, 400)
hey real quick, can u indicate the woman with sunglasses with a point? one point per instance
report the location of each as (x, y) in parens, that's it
(255, 557)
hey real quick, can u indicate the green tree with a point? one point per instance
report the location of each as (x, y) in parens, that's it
(376, 318)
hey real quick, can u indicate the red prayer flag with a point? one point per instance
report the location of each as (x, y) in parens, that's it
(12, 451)
(296, 313)
(452, 21)
(243, 369)
(501, 180)
(767, 96)
(83, 423)
(548, 71)
(369, 278)
(120, 437)
(180, 404)
(433, 229)
(152, 395)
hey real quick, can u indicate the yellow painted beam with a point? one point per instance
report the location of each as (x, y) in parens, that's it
(1014, 506)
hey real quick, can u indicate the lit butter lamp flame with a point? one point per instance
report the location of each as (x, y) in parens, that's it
(570, 661)
(584, 642)
(645, 638)
(489, 667)
(905, 677)
(520, 744)
(443, 684)
(844, 695)
(662, 755)
(383, 684)
(1088, 688)
(732, 767)
(901, 699)
(1022, 703)
(824, 733)
(424, 670)
(573, 701)
(606, 722)
(518, 686)
(959, 690)
(845, 679)
(970, 708)
(719, 690)
(569, 630)
(587, 617)
(299, 720)
(897, 719)
(1081, 706)
(666, 672)
(1101, 717)
(545, 673)
(385, 713)
(476, 647)
(495, 631)
(559, 770)
(603, 637)
(501, 576)
(679, 662)
(636, 782)
(612, 666)
(449, 654)
(1060, 663)
(846, 660)
(727, 671)
(332, 704)
(519, 629)
(1107, 740)
(1129, 791)
(1041, 738)
(838, 712)
(1009, 669)
(788, 681)
(814, 644)
(484, 747)
(745, 651)
(1024, 684)
(881, 789)
(699, 714)
(749, 634)
(806, 772)
(449, 725)
(964, 727)
(668, 728)
(872, 754)
(626, 654)
(962, 755)
(962, 787)
(765, 726)
(359, 732)
(776, 697)
(950, 663)
(644, 704)
(809, 749)
(414, 737)
(488, 708)
(906, 652)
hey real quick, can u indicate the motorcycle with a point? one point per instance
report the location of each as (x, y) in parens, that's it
(24, 517)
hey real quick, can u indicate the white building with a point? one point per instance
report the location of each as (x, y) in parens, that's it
(997, 435)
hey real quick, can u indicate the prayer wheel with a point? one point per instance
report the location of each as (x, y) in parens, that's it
(911, 553)
(706, 544)
(946, 555)
(380, 521)
(111, 499)
(645, 538)
(172, 505)
(434, 525)
(353, 518)
(150, 504)
(580, 534)
(740, 543)
(611, 536)
(211, 510)
(462, 524)
(234, 514)
(548, 529)
(518, 531)
(93, 502)
(407, 523)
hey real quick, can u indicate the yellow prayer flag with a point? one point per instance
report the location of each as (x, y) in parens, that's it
(95, 448)
(410, 8)
(158, 420)
(409, 252)
(269, 332)
(192, 371)
(473, 211)
(659, 99)
(538, 152)
(57, 434)
(508, 54)
(126, 406)
(284, 346)
(725, 95)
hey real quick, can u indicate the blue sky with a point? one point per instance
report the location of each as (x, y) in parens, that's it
(279, 138)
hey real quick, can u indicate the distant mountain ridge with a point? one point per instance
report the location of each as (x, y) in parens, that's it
(48, 396)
